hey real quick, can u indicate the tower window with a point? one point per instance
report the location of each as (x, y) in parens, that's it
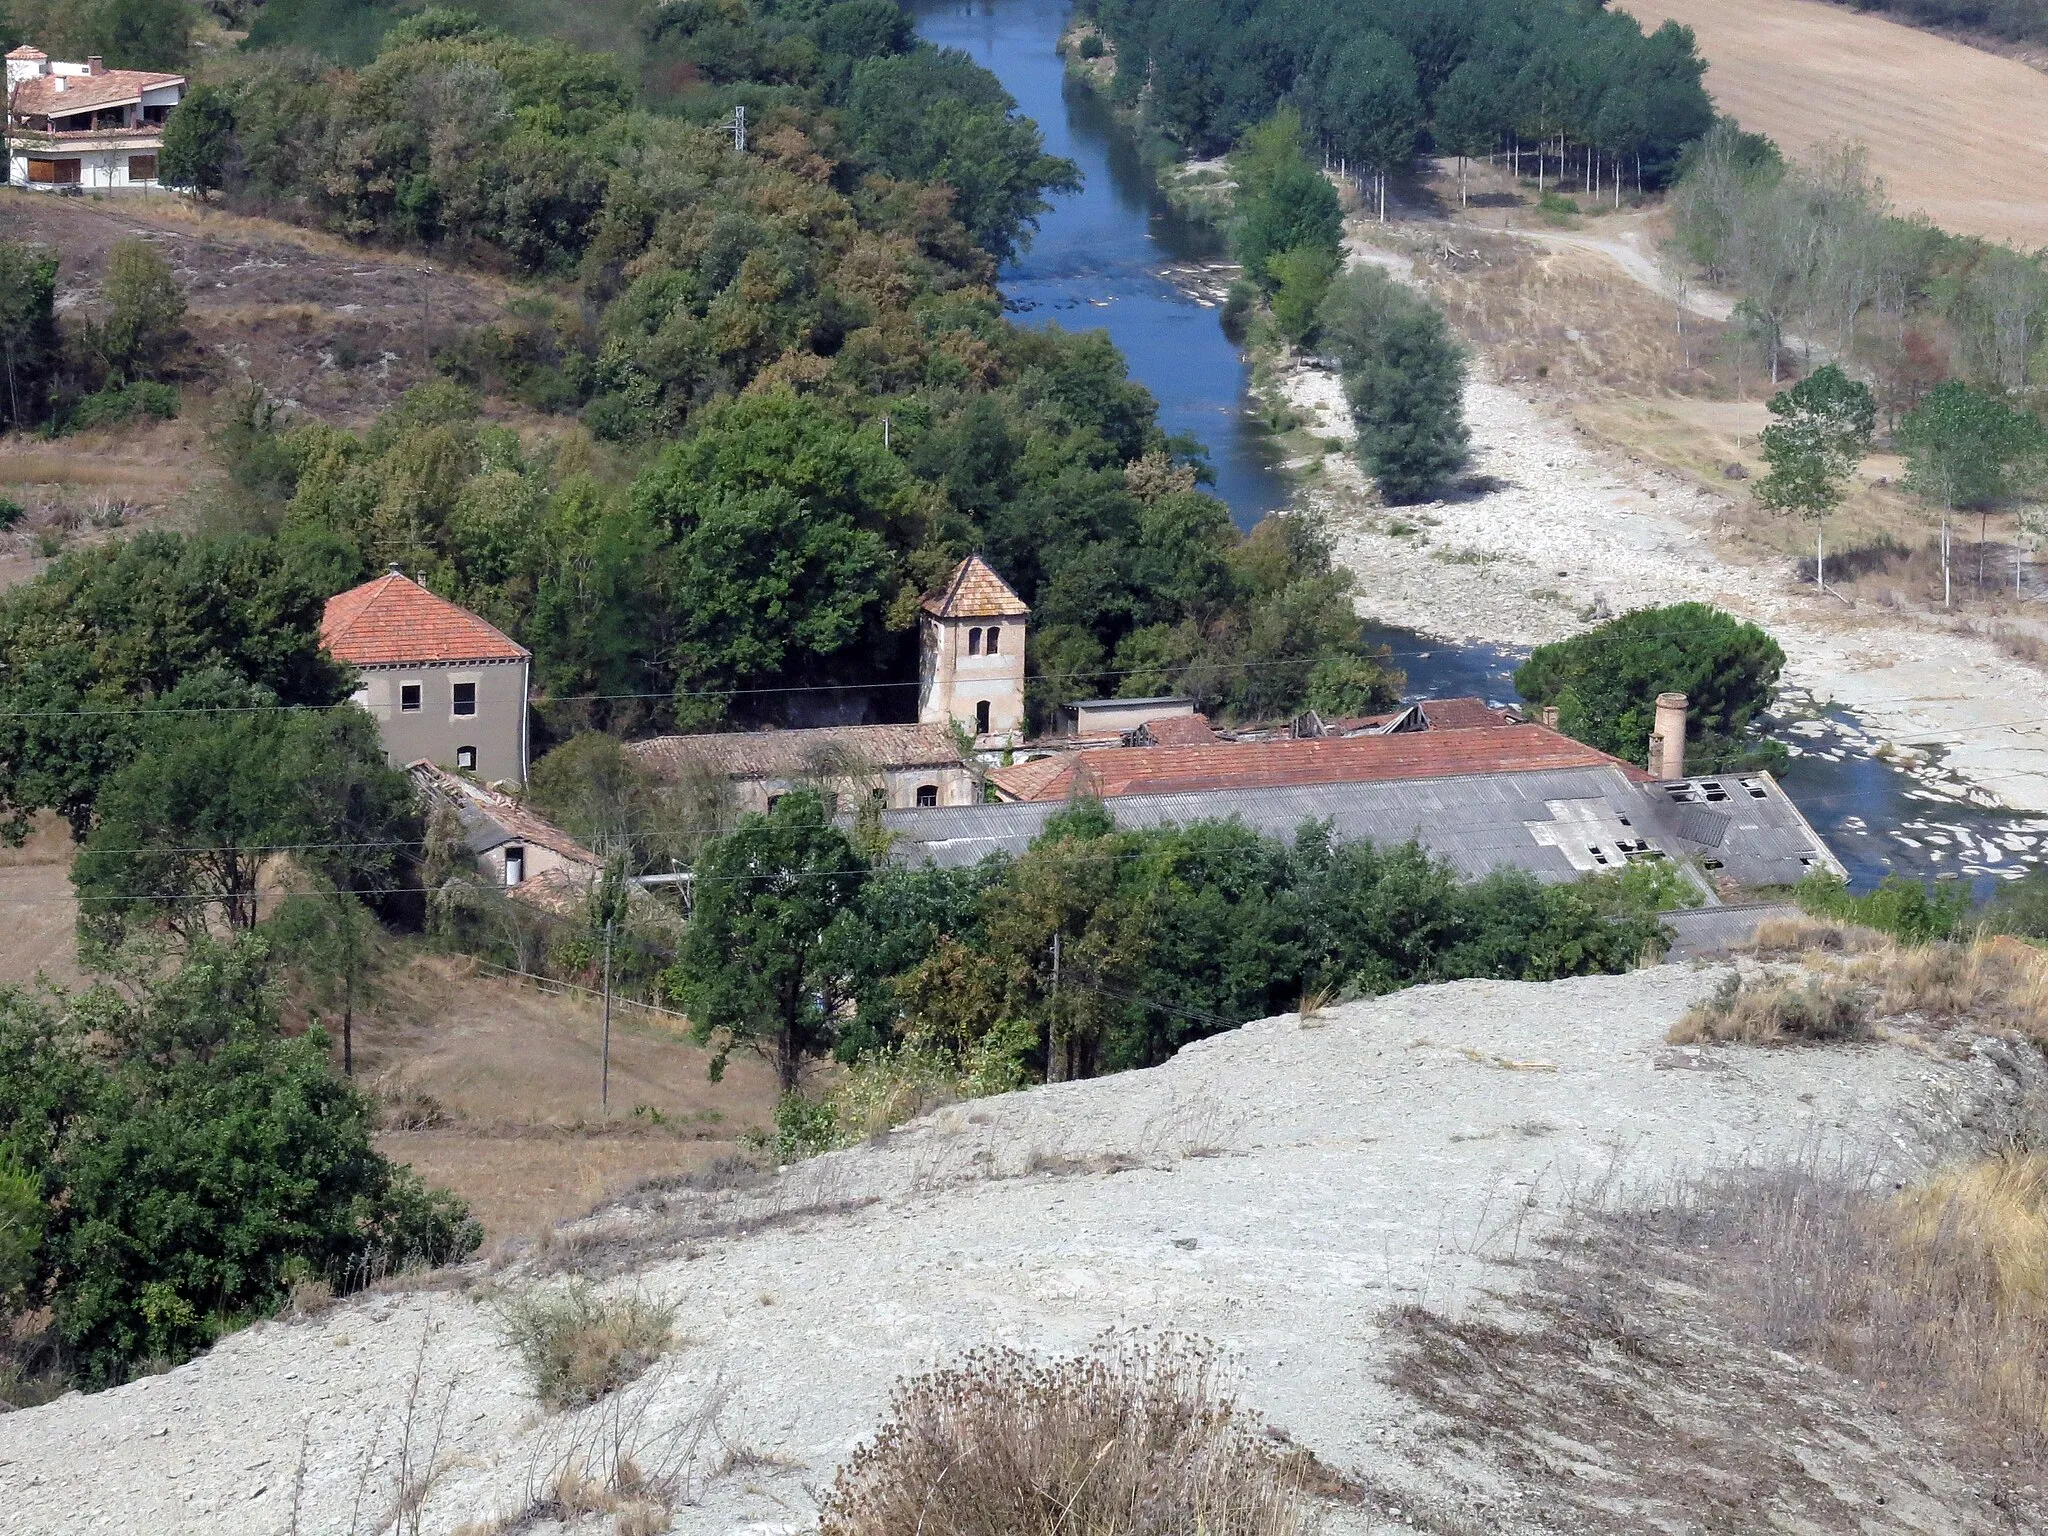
(927, 794)
(981, 718)
(974, 642)
(465, 698)
(465, 759)
(992, 633)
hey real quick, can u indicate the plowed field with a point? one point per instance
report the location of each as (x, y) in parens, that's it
(1958, 134)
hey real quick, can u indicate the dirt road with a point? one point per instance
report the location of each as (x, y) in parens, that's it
(1955, 133)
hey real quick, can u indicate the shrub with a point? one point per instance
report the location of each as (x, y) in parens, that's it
(1911, 912)
(576, 1345)
(1093, 47)
(117, 404)
(1554, 208)
(2019, 908)
(1140, 1440)
(11, 512)
(1812, 1011)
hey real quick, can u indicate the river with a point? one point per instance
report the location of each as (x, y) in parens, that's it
(1103, 258)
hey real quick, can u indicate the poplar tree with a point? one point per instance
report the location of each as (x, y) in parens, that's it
(1824, 428)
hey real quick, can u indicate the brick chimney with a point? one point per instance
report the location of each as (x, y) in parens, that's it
(95, 65)
(1667, 742)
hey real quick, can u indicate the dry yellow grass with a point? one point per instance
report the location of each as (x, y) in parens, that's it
(1954, 132)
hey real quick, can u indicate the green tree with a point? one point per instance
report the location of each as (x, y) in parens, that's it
(1604, 683)
(1467, 118)
(330, 940)
(1965, 448)
(753, 971)
(144, 313)
(221, 792)
(1825, 426)
(1301, 277)
(1404, 375)
(30, 347)
(194, 1161)
(105, 634)
(199, 141)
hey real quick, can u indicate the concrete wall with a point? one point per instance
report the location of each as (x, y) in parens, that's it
(497, 730)
(1101, 717)
(955, 783)
(100, 170)
(954, 682)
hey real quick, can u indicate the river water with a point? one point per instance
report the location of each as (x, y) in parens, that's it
(1107, 256)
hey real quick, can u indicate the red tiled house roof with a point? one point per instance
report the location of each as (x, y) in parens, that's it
(975, 591)
(41, 96)
(1175, 731)
(394, 621)
(1114, 772)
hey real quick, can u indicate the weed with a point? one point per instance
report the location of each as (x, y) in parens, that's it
(1777, 1011)
(1140, 1438)
(577, 1346)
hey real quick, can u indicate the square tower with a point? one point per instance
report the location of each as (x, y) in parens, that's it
(971, 670)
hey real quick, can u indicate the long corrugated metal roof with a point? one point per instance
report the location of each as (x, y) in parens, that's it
(1556, 823)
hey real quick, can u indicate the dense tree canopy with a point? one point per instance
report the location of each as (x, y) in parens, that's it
(1605, 682)
(1165, 935)
(191, 1162)
(1375, 80)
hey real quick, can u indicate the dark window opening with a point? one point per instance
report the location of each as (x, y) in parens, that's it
(515, 863)
(465, 698)
(142, 167)
(878, 797)
(993, 632)
(981, 718)
(465, 759)
(974, 642)
(409, 698)
(927, 794)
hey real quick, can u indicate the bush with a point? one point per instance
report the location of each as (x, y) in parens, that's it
(11, 512)
(1141, 1440)
(1093, 47)
(1815, 1011)
(1911, 912)
(112, 406)
(576, 1346)
(1553, 208)
(2020, 907)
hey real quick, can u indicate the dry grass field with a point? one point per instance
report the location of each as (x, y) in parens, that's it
(1955, 132)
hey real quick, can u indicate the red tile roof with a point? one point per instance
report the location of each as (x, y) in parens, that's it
(1279, 764)
(975, 591)
(1462, 714)
(394, 620)
(27, 51)
(1176, 731)
(39, 95)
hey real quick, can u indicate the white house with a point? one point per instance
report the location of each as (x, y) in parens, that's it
(84, 125)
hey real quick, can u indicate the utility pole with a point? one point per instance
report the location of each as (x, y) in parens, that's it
(604, 1081)
(885, 429)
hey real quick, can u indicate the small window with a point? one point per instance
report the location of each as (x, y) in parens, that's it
(878, 797)
(981, 718)
(927, 794)
(515, 863)
(974, 642)
(465, 759)
(993, 632)
(409, 698)
(142, 167)
(465, 698)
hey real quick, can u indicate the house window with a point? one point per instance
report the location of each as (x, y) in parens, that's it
(927, 794)
(142, 167)
(974, 642)
(992, 633)
(465, 698)
(409, 698)
(515, 863)
(981, 718)
(878, 798)
(55, 173)
(465, 759)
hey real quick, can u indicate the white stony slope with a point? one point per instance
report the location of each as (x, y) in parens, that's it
(1274, 1189)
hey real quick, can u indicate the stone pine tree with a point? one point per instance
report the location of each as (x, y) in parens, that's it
(1824, 428)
